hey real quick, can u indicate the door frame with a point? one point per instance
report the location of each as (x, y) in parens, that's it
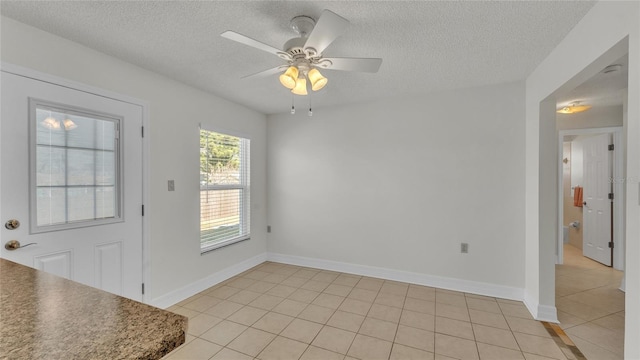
(618, 189)
(56, 80)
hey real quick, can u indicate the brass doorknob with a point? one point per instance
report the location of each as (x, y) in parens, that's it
(12, 224)
(15, 244)
(12, 245)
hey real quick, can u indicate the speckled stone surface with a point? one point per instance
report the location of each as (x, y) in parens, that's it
(43, 316)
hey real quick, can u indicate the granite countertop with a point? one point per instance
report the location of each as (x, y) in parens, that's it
(43, 316)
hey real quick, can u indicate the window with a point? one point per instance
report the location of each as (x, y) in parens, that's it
(224, 190)
(75, 168)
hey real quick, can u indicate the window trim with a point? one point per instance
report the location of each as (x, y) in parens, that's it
(34, 228)
(245, 206)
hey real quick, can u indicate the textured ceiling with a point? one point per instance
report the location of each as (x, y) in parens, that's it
(425, 45)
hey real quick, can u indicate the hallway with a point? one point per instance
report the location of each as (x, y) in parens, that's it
(590, 305)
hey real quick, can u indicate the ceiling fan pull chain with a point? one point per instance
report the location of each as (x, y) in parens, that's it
(293, 108)
(310, 112)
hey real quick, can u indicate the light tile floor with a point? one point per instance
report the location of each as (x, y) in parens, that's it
(277, 311)
(590, 305)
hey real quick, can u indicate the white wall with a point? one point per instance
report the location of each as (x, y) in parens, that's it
(610, 29)
(398, 184)
(577, 162)
(175, 111)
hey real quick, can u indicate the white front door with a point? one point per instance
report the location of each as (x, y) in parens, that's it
(597, 205)
(72, 177)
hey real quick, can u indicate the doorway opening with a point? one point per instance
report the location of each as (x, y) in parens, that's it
(571, 212)
(589, 296)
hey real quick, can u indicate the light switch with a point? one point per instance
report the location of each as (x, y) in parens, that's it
(171, 185)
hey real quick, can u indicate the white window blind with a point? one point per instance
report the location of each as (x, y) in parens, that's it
(224, 190)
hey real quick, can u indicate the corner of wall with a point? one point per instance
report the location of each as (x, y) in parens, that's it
(173, 297)
(540, 312)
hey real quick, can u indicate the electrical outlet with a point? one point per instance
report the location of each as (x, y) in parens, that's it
(171, 185)
(464, 248)
(268, 228)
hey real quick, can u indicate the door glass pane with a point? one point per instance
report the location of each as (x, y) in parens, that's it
(105, 202)
(51, 206)
(80, 203)
(50, 166)
(46, 124)
(76, 167)
(81, 168)
(105, 164)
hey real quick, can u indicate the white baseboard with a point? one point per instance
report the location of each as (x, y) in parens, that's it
(473, 287)
(169, 299)
(545, 313)
(541, 312)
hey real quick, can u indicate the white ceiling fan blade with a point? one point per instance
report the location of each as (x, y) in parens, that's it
(329, 26)
(232, 35)
(370, 65)
(267, 72)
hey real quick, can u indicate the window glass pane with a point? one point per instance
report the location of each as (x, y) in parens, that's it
(105, 168)
(220, 162)
(224, 189)
(105, 135)
(219, 214)
(80, 202)
(50, 203)
(105, 202)
(81, 167)
(47, 126)
(84, 134)
(76, 174)
(50, 166)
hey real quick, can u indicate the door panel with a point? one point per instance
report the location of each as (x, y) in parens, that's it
(56, 263)
(106, 253)
(597, 205)
(108, 267)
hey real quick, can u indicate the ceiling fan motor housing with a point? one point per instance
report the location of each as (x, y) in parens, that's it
(304, 58)
(303, 25)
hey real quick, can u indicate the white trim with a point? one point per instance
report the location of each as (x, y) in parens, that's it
(40, 76)
(618, 190)
(223, 130)
(146, 202)
(473, 287)
(541, 312)
(195, 287)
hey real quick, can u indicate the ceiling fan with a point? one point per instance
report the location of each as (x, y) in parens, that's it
(304, 54)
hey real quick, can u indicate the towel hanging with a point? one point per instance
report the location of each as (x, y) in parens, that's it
(577, 196)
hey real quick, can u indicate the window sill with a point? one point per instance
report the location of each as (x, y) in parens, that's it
(212, 247)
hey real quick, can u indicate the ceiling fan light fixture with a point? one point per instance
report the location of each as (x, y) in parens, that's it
(573, 108)
(288, 78)
(317, 80)
(301, 87)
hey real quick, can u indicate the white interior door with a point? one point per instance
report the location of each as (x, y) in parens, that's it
(72, 176)
(597, 205)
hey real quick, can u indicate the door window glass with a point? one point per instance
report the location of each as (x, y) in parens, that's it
(74, 166)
